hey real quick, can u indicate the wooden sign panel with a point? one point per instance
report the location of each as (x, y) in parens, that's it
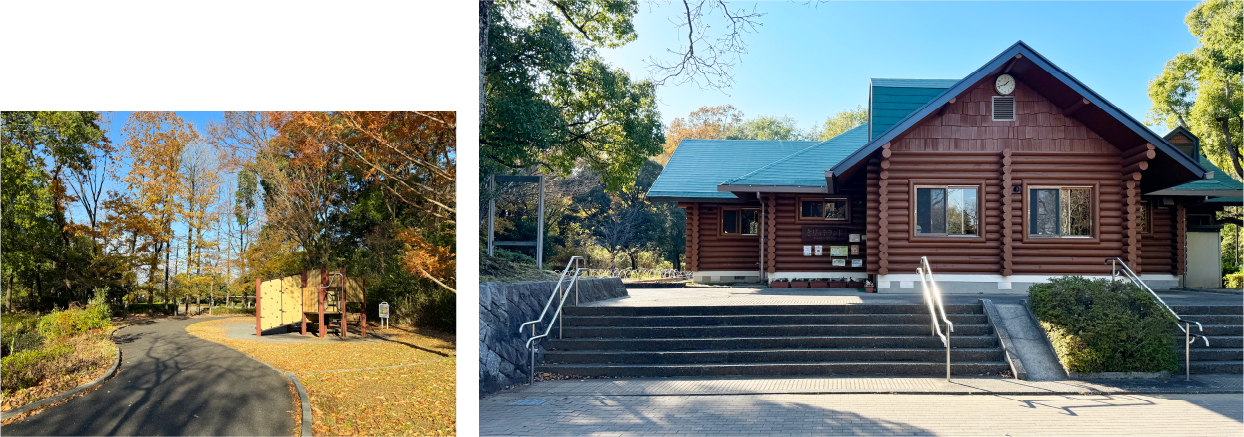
(823, 234)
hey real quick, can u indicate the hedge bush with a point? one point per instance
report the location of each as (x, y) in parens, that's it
(60, 324)
(1105, 326)
(1234, 280)
(227, 310)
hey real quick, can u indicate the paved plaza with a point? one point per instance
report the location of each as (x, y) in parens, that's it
(865, 414)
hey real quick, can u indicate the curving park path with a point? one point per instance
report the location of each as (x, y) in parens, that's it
(173, 383)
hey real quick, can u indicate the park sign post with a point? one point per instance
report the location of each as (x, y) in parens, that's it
(384, 314)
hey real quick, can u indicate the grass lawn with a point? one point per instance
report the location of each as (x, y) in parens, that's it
(416, 396)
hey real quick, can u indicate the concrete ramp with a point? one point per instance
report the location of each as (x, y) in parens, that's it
(1030, 344)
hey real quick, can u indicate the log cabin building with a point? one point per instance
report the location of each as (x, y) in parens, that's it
(1010, 176)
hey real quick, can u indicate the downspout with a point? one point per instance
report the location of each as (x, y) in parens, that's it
(762, 237)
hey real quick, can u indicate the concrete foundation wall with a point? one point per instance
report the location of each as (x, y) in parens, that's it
(503, 357)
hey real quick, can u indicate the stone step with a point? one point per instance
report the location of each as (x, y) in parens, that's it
(762, 331)
(1219, 330)
(666, 344)
(1213, 354)
(772, 356)
(767, 309)
(770, 319)
(1223, 341)
(775, 369)
(1237, 320)
(1201, 367)
(1191, 310)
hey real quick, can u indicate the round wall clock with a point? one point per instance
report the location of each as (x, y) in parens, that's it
(1005, 84)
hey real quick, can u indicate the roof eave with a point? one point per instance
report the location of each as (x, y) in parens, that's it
(1212, 193)
(1017, 49)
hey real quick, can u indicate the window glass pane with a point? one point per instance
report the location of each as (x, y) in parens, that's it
(954, 211)
(922, 210)
(961, 217)
(1142, 218)
(1043, 210)
(836, 209)
(751, 222)
(730, 221)
(811, 209)
(1076, 208)
(937, 210)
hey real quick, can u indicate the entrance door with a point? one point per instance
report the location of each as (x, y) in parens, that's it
(1204, 260)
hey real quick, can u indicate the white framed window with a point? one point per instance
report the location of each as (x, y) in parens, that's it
(1060, 212)
(947, 211)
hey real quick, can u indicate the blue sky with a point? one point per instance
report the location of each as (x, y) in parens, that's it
(810, 61)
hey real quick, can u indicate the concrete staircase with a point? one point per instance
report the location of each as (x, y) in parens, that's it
(878, 339)
(1224, 324)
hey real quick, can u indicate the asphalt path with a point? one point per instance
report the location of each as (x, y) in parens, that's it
(173, 383)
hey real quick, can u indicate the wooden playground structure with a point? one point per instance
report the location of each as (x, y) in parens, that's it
(325, 297)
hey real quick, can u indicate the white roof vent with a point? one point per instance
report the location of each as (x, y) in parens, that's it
(1003, 108)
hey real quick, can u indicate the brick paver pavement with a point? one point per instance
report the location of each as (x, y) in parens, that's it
(865, 414)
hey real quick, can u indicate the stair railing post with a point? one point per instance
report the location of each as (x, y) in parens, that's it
(1187, 352)
(948, 353)
(533, 357)
(561, 292)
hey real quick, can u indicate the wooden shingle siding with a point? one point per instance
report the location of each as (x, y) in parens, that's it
(967, 125)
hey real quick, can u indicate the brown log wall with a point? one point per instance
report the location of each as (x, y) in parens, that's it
(1156, 254)
(707, 250)
(789, 245)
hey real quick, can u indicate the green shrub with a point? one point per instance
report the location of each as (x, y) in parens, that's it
(26, 368)
(227, 310)
(1234, 280)
(154, 308)
(1104, 326)
(60, 324)
(19, 332)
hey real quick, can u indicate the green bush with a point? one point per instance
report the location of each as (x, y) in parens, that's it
(60, 324)
(1105, 326)
(154, 308)
(18, 332)
(26, 368)
(1234, 280)
(227, 310)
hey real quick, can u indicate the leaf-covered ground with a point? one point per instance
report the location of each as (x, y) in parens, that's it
(92, 354)
(349, 396)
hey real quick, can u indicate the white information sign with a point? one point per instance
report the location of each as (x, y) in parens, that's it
(384, 314)
(818, 250)
(807, 251)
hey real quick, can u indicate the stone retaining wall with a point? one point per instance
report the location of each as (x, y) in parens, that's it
(503, 357)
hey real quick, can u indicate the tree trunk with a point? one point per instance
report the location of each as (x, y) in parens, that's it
(1225, 125)
(485, 20)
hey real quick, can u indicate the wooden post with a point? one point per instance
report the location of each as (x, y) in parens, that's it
(1006, 212)
(303, 311)
(693, 257)
(341, 303)
(771, 248)
(363, 283)
(320, 297)
(1134, 160)
(883, 213)
(258, 329)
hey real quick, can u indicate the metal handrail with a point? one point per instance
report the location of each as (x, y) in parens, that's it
(1189, 337)
(558, 289)
(933, 294)
(552, 297)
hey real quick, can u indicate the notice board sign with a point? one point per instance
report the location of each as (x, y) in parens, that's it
(823, 234)
(384, 310)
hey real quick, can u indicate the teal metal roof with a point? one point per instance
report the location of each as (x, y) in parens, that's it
(891, 100)
(807, 167)
(698, 166)
(1221, 180)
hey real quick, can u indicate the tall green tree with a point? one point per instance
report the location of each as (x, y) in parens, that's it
(843, 121)
(1202, 90)
(770, 128)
